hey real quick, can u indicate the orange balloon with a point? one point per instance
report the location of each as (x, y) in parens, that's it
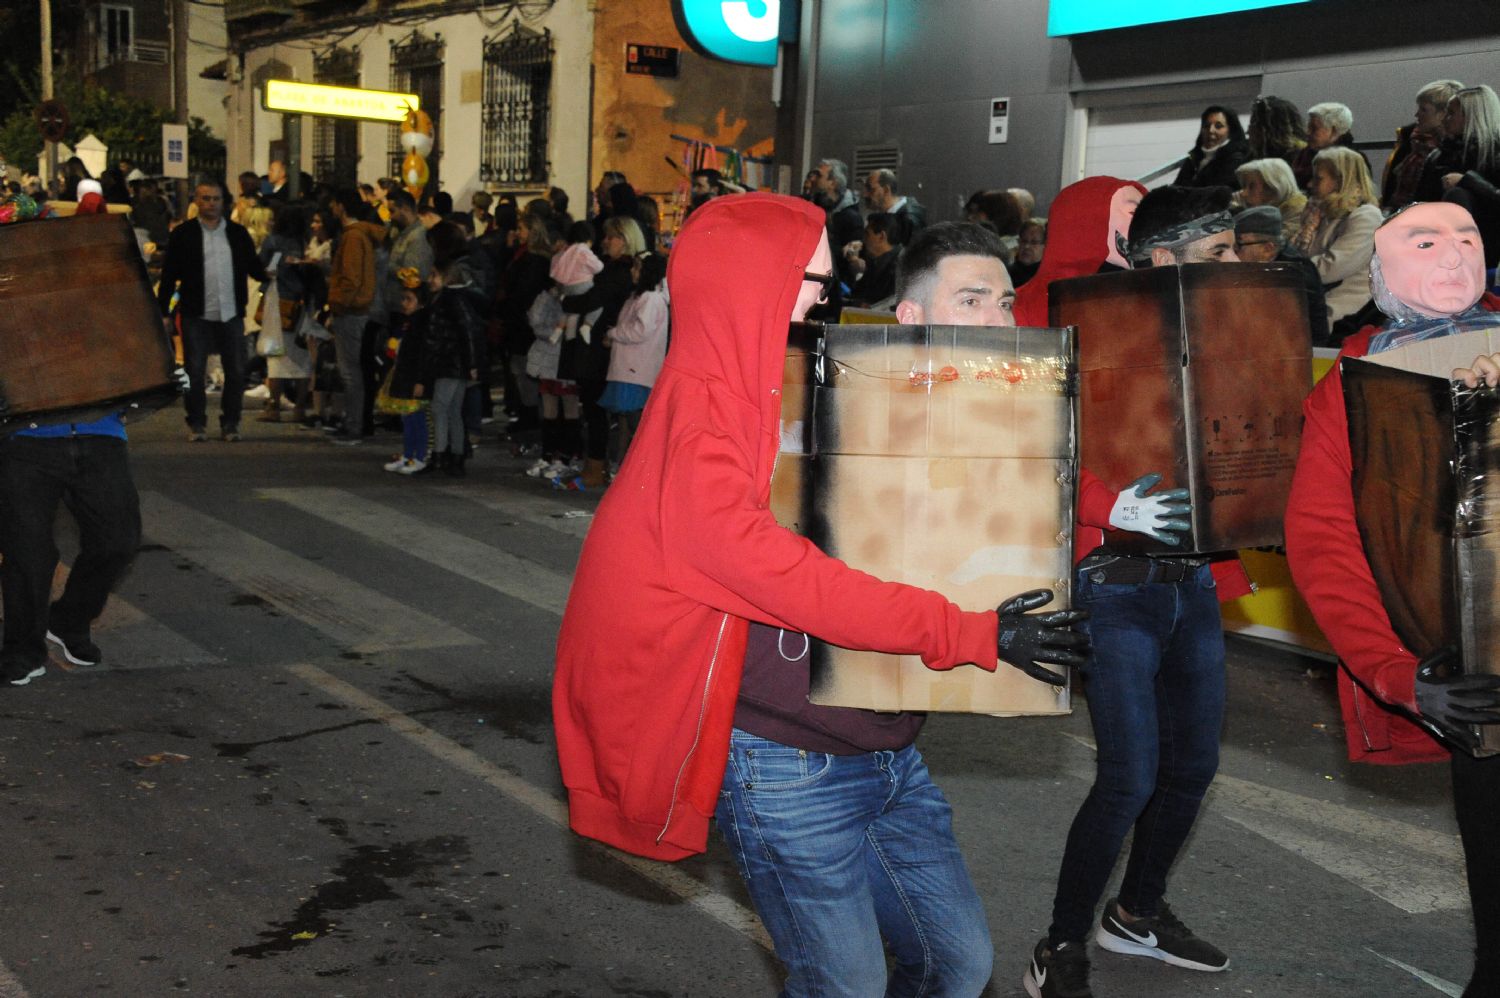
(414, 174)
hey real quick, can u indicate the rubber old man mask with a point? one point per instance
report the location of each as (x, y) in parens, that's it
(1430, 260)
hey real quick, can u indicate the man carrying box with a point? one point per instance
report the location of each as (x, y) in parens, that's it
(1155, 681)
(845, 843)
(1428, 276)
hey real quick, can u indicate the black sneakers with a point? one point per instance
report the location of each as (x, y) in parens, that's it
(1162, 937)
(1059, 972)
(77, 648)
(17, 673)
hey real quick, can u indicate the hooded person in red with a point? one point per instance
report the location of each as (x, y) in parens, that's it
(684, 551)
(1081, 214)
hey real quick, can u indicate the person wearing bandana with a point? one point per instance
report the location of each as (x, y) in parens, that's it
(1155, 681)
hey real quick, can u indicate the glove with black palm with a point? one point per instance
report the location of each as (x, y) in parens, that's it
(1027, 639)
(1450, 704)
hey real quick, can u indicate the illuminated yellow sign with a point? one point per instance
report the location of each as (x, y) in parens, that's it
(340, 102)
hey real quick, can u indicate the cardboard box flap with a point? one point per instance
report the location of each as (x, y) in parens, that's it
(1441, 355)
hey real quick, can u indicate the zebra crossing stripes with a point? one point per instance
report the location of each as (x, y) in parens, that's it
(354, 616)
(552, 512)
(489, 566)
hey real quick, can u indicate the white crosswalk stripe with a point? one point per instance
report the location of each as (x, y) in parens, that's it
(133, 639)
(489, 566)
(526, 507)
(354, 616)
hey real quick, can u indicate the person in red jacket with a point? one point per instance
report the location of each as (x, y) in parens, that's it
(1156, 679)
(1085, 235)
(1428, 277)
(683, 555)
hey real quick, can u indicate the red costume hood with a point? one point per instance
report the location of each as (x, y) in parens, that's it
(684, 552)
(1077, 242)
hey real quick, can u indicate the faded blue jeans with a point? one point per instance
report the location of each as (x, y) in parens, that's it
(840, 852)
(1156, 701)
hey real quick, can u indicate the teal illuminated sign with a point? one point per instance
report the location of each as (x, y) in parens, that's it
(744, 31)
(1072, 17)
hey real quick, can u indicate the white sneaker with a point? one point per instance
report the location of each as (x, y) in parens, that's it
(260, 391)
(539, 467)
(411, 466)
(395, 465)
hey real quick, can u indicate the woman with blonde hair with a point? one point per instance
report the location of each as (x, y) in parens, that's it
(1468, 164)
(1414, 143)
(1338, 228)
(1270, 182)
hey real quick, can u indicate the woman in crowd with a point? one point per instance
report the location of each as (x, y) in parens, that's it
(1030, 245)
(1338, 228)
(288, 373)
(1328, 124)
(621, 243)
(1270, 182)
(317, 261)
(1275, 129)
(1220, 149)
(638, 346)
(1466, 168)
(1414, 143)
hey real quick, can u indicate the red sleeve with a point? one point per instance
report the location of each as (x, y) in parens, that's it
(1327, 559)
(724, 549)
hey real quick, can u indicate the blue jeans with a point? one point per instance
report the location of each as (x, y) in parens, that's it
(840, 852)
(1156, 700)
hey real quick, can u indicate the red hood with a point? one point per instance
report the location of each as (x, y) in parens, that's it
(734, 275)
(1077, 243)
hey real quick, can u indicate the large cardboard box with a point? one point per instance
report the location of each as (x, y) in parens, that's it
(939, 456)
(80, 332)
(1197, 372)
(1425, 455)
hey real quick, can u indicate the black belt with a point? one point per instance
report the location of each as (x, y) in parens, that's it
(1129, 571)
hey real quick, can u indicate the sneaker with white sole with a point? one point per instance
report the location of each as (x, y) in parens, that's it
(78, 649)
(395, 465)
(1060, 971)
(411, 466)
(19, 674)
(1161, 936)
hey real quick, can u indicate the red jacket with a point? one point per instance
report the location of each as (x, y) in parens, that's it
(684, 552)
(1329, 567)
(1077, 242)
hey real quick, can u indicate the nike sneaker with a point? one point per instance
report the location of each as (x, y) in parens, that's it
(1161, 936)
(1060, 971)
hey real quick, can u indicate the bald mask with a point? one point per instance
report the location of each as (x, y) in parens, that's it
(1430, 261)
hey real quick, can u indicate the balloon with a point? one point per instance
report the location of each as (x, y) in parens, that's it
(414, 174)
(417, 142)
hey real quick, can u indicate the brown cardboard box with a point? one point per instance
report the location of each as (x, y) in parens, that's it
(80, 332)
(941, 457)
(1425, 455)
(1197, 372)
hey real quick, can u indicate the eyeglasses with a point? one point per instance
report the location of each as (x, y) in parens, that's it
(828, 281)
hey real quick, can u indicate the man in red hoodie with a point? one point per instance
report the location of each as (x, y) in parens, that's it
(683, 555)
(1156, 680)
(1427, 276)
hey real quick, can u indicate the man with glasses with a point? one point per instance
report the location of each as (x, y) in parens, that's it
(1259, 238)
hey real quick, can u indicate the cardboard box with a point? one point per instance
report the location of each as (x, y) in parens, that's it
(1197, 372)
(942, 457)
(80, 332)
(1425, 454)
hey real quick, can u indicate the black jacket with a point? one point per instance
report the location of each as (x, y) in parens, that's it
(526, 276)
(412, 332)
(1317, 305)
(454, 344)
(878, 282)
(182, 269)
(1217, 172)
(612, 288)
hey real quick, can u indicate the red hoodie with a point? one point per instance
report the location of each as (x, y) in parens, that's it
(1077, 242)
(684, 552)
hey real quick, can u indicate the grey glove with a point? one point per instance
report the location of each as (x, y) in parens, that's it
(1448, 704)
(1163, 516)
(1027, 639)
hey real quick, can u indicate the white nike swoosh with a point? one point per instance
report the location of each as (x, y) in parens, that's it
(1039, 975)
(1149, 939)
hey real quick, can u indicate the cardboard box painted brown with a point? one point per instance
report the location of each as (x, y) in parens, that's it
(1425, 454)
(1197, 372)
(80, 332)
(941, 457)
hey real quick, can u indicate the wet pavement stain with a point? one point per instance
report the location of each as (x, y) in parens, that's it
(517, 712)
(238, 750)
(360, 879)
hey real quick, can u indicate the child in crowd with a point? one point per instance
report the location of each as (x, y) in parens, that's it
(572, 271)
(450, 353)
(404, 389)
(638, 344)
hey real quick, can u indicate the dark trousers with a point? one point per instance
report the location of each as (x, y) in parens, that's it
(1476, 801)
(91, 476)
(201, 337)
(595, 420)
(372, 340)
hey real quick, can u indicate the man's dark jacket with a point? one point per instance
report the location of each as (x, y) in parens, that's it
(183, 267)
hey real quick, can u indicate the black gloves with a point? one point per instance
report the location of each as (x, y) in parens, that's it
(1448, 704)
(1027, 639)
